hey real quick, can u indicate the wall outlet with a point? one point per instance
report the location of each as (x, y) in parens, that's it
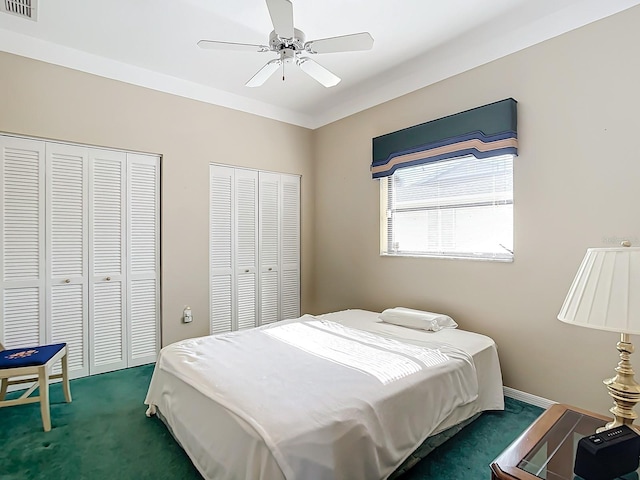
(187, 316)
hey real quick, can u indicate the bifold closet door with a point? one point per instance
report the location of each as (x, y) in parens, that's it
(255, 248)
(222, 244)
(269, 206)
(279, 247)
(107, 261)
(143, 240)
(22, 245)
(246, 251)
(66, 252)
(234, 249)
(290, 247)
(79, 252)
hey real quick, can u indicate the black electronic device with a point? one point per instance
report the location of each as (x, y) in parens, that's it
(608, 455)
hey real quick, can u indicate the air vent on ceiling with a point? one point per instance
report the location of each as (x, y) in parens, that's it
(21, 8)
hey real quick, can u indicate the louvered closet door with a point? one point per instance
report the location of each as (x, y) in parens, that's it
(143, 277)
(290, 247)
(221, 235)
(66, 252)
(246, 220)
(269, 208)
(107, 257)
(22, 232)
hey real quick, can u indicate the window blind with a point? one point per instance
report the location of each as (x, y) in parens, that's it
(461, 207)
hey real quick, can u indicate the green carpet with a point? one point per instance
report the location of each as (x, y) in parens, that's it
(104, 434)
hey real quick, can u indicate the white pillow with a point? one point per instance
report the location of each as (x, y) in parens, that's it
(407, 317)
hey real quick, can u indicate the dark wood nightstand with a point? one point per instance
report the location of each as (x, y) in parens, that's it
(547, 449)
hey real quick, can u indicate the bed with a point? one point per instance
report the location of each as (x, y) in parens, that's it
(335, 396)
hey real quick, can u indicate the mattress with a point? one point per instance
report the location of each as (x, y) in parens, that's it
(267, 414)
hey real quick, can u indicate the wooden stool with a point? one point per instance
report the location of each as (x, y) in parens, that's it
(34, 362)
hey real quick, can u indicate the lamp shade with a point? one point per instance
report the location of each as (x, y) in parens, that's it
(605, 294)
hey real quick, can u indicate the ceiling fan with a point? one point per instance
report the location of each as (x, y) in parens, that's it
(289, 43)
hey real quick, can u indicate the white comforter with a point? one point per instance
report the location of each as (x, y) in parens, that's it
(329, 401)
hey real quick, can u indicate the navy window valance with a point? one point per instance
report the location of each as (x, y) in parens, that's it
(486, 131)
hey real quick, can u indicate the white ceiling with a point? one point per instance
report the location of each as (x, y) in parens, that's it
(152, 43)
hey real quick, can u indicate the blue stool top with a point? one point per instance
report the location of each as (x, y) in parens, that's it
(28, 356)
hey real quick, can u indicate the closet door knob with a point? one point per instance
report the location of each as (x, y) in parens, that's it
(67, 281)
(108, 279)
(270, 268)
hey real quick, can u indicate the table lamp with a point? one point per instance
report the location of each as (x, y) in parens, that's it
(605, 295)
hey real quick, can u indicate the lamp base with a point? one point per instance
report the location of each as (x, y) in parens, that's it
(623, 388)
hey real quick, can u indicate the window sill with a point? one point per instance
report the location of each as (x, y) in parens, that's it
(449, 257)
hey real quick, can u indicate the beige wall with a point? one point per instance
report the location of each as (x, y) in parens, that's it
(576, 185)
(42, 100)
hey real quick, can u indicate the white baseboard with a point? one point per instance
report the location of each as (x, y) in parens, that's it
(527, 398)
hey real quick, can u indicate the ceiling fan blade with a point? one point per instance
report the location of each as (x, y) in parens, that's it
(345, 43)
(231, 46)
(318, 72)
(264, 73)
(281, 12)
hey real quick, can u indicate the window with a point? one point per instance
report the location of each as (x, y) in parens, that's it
(456, 208)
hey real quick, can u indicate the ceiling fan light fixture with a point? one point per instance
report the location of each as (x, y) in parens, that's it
(289, 43)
